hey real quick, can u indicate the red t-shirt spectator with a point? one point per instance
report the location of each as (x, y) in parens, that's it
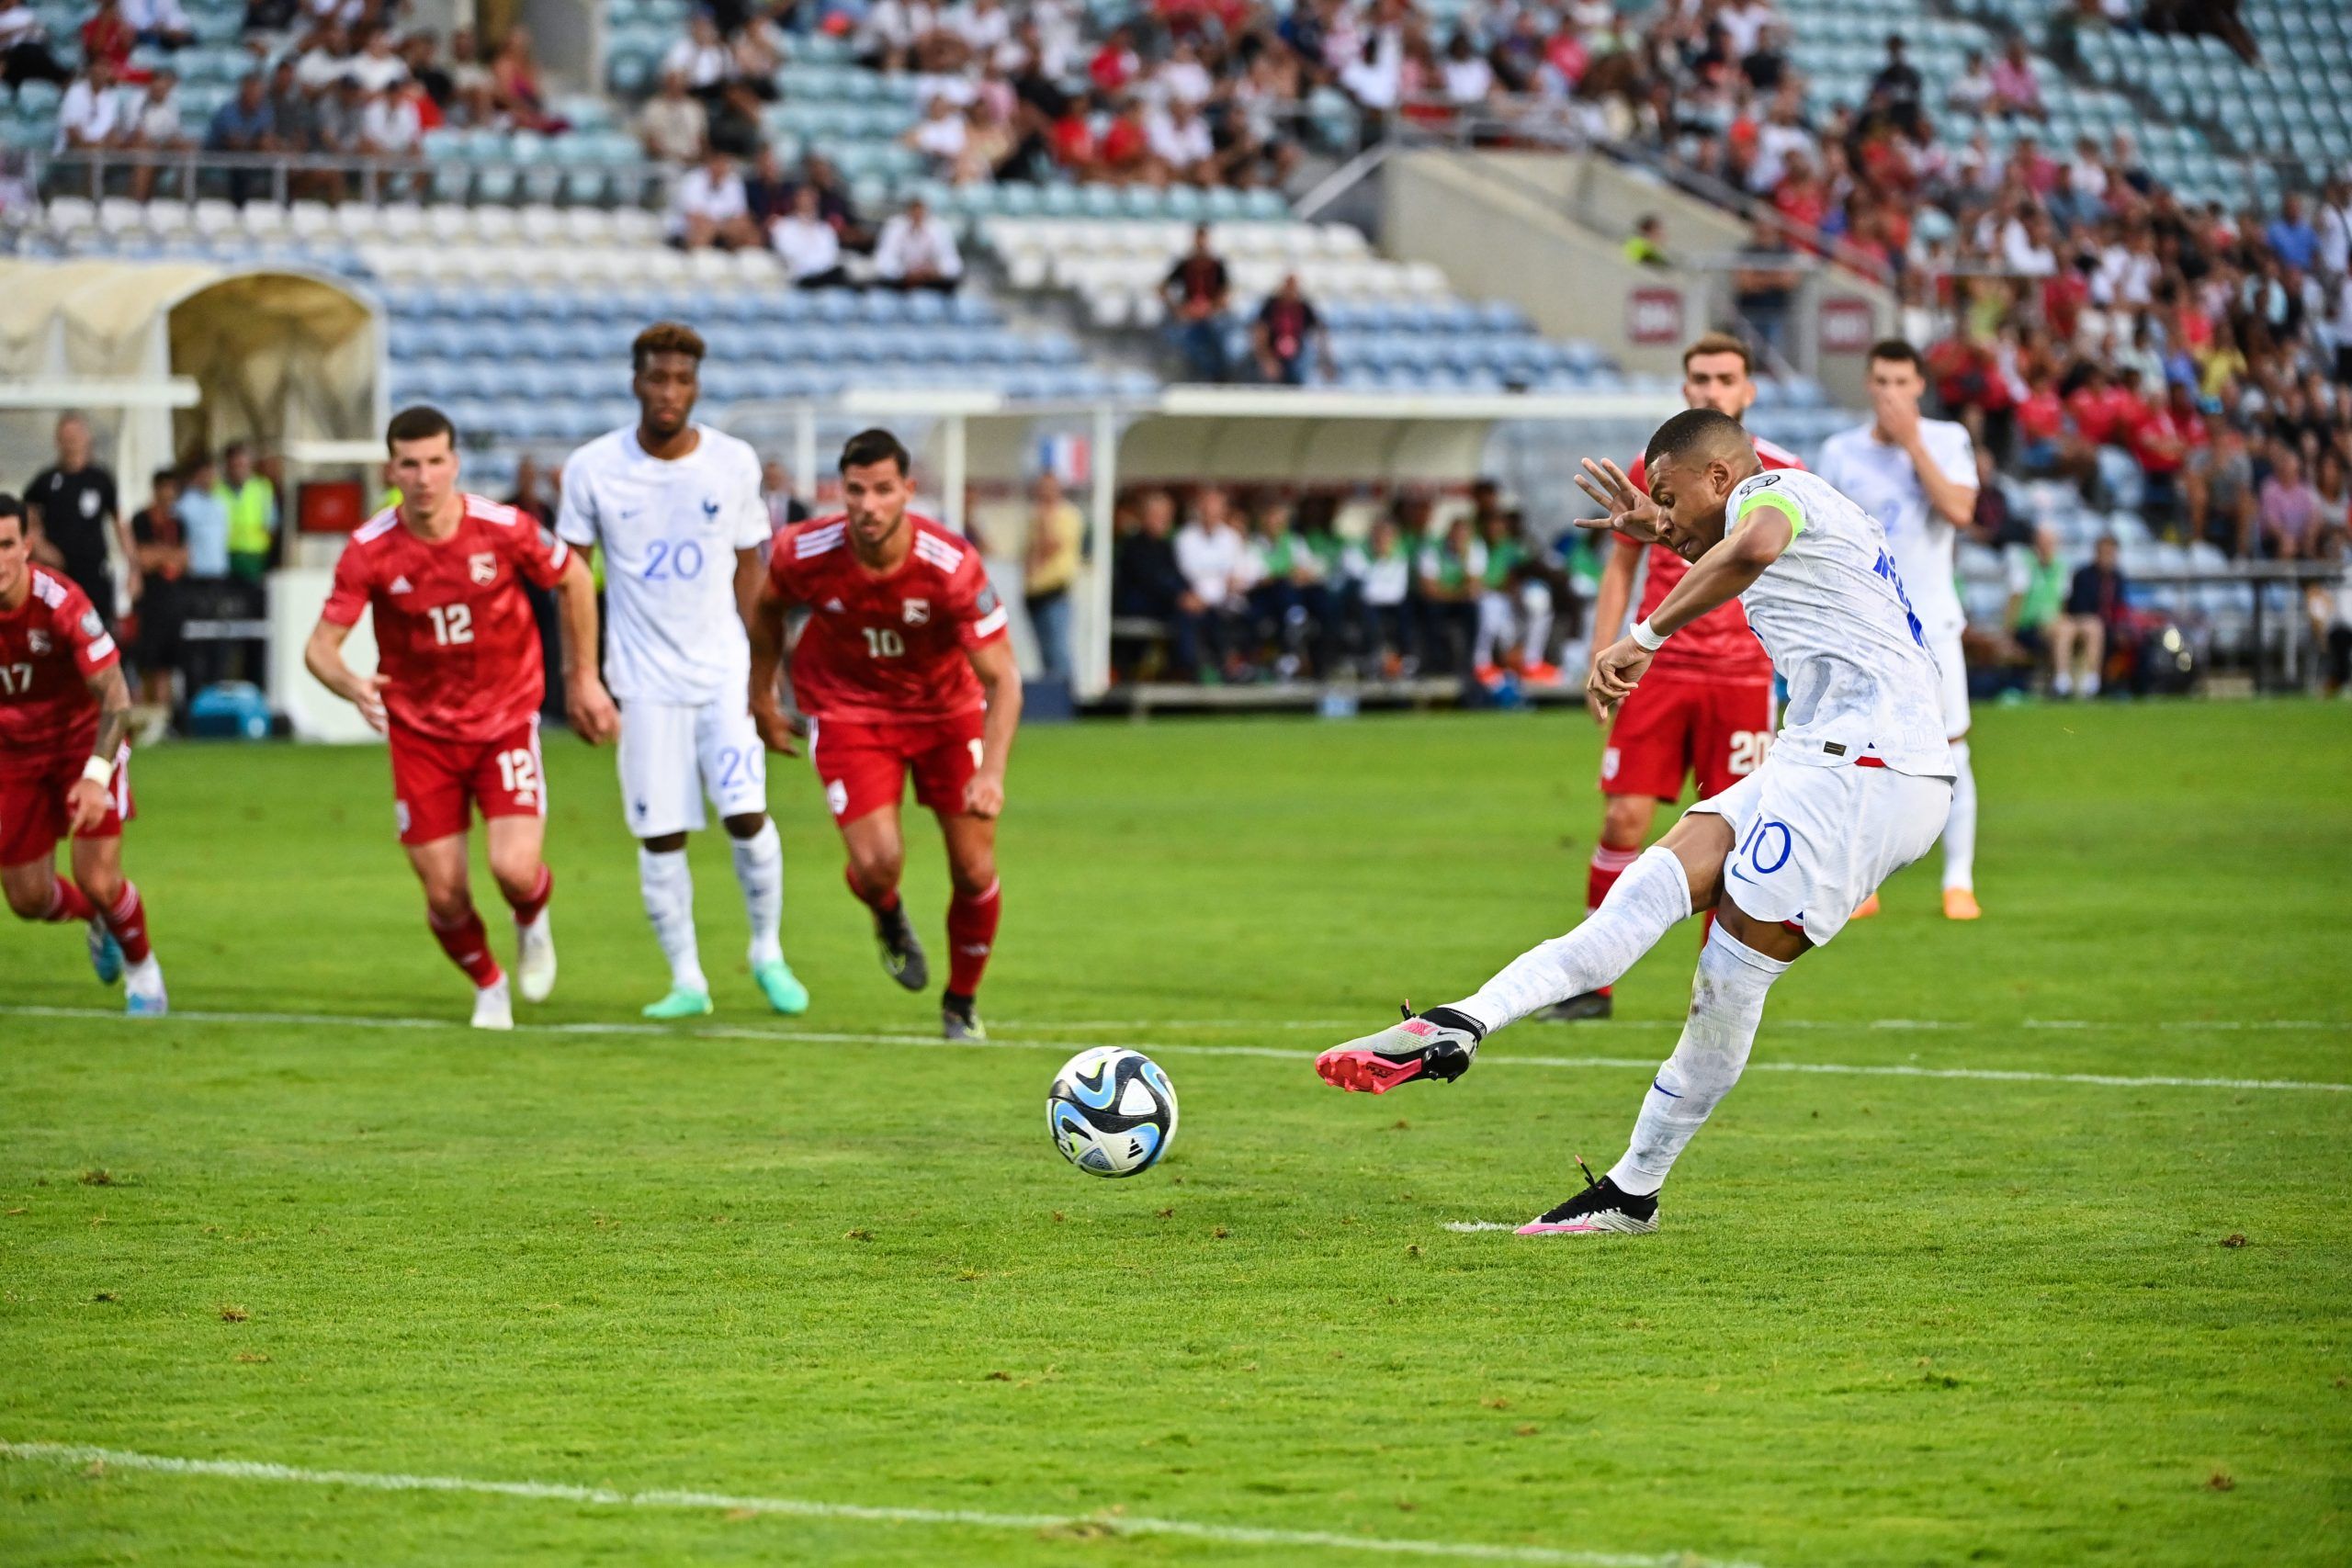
(1568, 55)
(1113, 67)
(2094, 414)
(2063, 295)
(1124, 144)
(2042, 417)
(1073, 140)
(2160, 443)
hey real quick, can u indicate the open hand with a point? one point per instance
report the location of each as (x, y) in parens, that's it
(1631, 513)
(1616, 671)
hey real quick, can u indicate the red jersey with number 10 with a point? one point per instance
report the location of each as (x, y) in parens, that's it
(1718, 645)
(456, 641)
(890, 648)
(50, 647)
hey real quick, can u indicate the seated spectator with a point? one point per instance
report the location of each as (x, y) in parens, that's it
(90, 116)
(323, 59)
(1071, 139)
(515, 86)
(343, 117)
(1898, 89)
(917, 250)
(893, 32)
(1469, 80)
(2287, 509)
(988, 144)
(1198, 294)
(2162, 441)
(1180, 142)
(810, 247)
(471, 79)
(2016, 91)
(1381, 574)
(767, 189)
(106, 36)
(939, 136)
(392, 124)
(701, 58)
(376, 63)
(247, 123)
(1514, 604)
(269, 16)
(1291, 597)
(421, 53)
(1213, 557)
(2038, 586)
(1049, 570)
(1146, 582)
(1287, 332)
(1451, 575)
(1972, 91)
(25, 55)
(708, 207)
(2094, 607)
(2220, 491)
(152, 124)
(159, 24)
(2291, 236)
(1123, 154)
(735, 128)
(672, 125)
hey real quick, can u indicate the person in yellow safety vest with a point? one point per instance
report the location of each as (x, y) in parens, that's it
(253, 513)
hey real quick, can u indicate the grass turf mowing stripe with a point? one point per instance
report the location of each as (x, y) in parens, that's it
(1113, 1523)
(828, 1037)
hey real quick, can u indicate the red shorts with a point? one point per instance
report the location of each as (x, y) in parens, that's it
(1667, 730)
(435, 781)
(864, 766)
(33, 816)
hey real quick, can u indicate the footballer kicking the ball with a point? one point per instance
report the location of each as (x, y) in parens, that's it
(1857, 786)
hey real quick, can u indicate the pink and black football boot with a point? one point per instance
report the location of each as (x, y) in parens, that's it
(1439, 1044)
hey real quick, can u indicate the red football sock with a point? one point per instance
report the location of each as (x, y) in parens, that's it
(467, 946)
(1607, 866)
(67, 902)
(882, 906)
(528, 909)
(971, 932)
(127, 920)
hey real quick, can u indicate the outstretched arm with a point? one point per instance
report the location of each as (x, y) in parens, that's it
(1000, 679)
(85, 802)
(1715, 579)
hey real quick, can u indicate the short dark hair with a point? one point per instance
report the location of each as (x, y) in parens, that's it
(1719, 343)
(233, 449)
(164, 475)
(1693, 433)
(665, 337)
(870, 446)
(1895, 351)
(11, 507)
(421, 423)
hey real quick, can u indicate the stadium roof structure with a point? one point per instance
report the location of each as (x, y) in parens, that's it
(1189, 435)
(279, 354)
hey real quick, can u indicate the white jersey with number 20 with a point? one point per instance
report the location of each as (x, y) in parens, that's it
(1832, 614)
(669, 531)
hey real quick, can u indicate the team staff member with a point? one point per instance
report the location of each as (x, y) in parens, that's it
(74, 507)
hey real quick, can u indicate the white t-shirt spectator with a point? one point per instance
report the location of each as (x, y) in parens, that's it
(319, 69)
(90, 116)
(2022, 255)
(152, 123)
(2334, 225)
(1973, 92)
(2086, 179)
(907, 248)
(1774, 142)
(1378, 82)
(156, 16)
(378, 71)
(985, 28)
(1468, 81)
(943, 138)
(1185, 81)
(1178, 145)
(1215, 562)
(807, 245)
(390, 124)
(699, 195)
(672, 128)
(703, 65)
(1743, 22)
(20, 24)
(897, 24)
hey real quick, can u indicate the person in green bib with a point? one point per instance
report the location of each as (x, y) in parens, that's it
(1514, 604)
(1453, 571)
(2037, 595)
(1292, 594)
(252, 501)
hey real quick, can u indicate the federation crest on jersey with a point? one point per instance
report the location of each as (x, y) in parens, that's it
(917, 612)
(482, 567)
(91, 623)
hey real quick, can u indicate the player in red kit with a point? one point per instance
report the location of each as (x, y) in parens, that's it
(457, 692)
(66, 766)
(1705, 707)
(904, 668)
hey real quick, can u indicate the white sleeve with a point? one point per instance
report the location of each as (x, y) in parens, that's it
(751, 528)
(1828, 468)
(575, 518)
(951, 260)
(889, 251)
(1955, 453)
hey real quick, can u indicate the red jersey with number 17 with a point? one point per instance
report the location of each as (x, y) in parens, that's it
(50, 647)
(1718, 645)
(456, 640)
(891, 648)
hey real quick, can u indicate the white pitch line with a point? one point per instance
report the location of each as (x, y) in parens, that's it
(831, 1037)
(1472, 1227)
(1109, 1523)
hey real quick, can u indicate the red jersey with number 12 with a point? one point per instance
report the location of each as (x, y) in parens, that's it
(50, 647)
(456, 640)
(890, 648)
(1718, 645)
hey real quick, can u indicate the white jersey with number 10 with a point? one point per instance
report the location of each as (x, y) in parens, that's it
(1832, 614)
(669, 531)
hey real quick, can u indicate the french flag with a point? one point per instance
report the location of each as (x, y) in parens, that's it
(1069, 458)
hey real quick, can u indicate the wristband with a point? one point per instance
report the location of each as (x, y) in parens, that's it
(99, 772)
(1645, 639)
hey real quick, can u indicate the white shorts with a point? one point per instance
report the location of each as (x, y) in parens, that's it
(1810, 843)
(1953, 666)
(672, 757)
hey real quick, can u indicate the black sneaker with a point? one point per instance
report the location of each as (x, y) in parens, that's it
(902, 957)
(1439, 1044)
(1588, 1004)
(1601, 1206)
(959, 1018)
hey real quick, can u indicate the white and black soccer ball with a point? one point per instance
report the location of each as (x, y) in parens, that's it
(1112, 1111)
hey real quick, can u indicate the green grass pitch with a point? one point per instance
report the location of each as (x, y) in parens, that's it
(1891, 1318)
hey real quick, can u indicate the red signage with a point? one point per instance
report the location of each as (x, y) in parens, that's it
(1654, 316)
(1847, 325)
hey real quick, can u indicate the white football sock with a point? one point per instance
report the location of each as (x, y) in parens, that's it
(1653, 894)
(1960, 828)
(1726, 1003)
(759, 867)
(668, 883)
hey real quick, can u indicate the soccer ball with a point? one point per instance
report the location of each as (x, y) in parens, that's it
(1112, 1111)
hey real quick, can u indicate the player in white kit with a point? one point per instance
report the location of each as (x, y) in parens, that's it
(1918, 478)
(1855, 788)
(675, 508)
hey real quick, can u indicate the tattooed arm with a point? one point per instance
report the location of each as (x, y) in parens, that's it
(85, 802)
